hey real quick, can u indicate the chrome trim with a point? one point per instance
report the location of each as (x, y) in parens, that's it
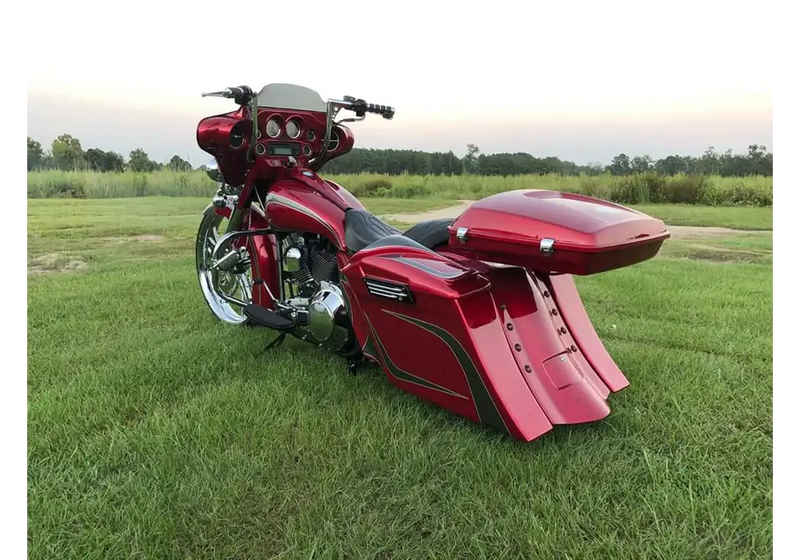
(266, 127)
(292, 259)
(380, 288)
(546, 245)
(327, 305)
(428, 269)
(225, 239)
(258, 209)
(209, 275)
(212, 170)
(297, 124)
(461, 234)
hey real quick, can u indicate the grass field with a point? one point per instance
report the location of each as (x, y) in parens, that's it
(155, 432)
(635, 189)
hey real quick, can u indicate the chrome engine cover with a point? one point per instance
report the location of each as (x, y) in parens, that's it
(328, 321)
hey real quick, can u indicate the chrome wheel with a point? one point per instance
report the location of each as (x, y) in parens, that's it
(224, 290)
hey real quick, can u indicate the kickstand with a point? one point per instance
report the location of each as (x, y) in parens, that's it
(354, 365)
(275, 343)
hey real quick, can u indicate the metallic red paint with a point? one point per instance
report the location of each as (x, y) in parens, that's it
(530, 365)
(214, 133)
(294, 206)
(263, 250)
(590, 235)
(507, 346)
(213, 137)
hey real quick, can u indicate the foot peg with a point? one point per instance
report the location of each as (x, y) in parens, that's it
(268, 318)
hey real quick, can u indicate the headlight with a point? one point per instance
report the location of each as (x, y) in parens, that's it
(273, 128)
(293, 129)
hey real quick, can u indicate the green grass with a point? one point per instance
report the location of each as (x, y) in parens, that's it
(156, 432)
(735, 217)
(647, 188)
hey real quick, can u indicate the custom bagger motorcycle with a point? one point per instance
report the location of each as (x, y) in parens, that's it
(479, 315)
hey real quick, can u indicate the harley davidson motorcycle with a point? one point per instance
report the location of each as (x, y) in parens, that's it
(479, 315)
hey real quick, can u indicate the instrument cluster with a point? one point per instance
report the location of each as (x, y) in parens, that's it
(294, 133)
(280, 134)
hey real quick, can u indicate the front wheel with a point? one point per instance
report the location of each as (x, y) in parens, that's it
(235, 283)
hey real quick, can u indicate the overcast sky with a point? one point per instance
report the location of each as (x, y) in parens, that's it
(583, 81)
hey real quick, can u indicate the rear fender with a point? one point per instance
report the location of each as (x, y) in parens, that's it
(442, 342)
(549, 353)
(499, 345)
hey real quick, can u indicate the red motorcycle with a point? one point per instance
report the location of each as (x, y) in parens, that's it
(479, 315)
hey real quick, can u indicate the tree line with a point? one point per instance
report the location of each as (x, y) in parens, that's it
(66, 153)
(757, 161)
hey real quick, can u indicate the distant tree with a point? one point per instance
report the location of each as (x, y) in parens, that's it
(709, 163)
(760, 160)
(620, 165)
(177, 163)
(671, 165)
(641, 164)
(98, 160)
(35, 154)
(67, 152)
(470, 163)
(140, 162)
(114, 162)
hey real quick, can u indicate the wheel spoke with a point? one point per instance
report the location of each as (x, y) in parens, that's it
(244, 286)
(218, 284)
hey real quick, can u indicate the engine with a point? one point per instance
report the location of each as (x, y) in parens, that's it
(310, 270)
(307, 262)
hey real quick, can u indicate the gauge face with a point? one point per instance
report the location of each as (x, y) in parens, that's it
(273, 128)
(293, 128)
(310, 135)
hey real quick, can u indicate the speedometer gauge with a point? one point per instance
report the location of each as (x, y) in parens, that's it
(273, 128)
(293, 129)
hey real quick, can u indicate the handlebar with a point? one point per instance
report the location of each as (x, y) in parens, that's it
(240, 94)
(243, 94)
(361, 107)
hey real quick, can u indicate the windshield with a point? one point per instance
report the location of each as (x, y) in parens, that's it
(290, 96)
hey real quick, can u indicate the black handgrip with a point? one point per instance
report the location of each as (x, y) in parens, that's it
(241, 94)
(361, 107)
(383, 110)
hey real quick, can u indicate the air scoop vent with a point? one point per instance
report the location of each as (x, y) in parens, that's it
(389, 290)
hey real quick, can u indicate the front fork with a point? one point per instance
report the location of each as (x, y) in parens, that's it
(250, 224)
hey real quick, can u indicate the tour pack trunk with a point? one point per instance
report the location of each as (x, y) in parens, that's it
(556, 232)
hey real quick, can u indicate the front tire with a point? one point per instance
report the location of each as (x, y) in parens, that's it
(233, 284)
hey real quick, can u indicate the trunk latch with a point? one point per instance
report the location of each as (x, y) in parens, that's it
(461, 234)
(546, 246)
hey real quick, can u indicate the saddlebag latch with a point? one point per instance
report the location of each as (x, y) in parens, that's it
(546, 246)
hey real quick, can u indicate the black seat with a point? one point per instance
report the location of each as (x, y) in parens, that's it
(431, 233)
(362, 228)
